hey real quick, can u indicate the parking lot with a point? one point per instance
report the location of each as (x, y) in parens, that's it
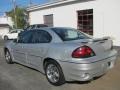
(19, 77)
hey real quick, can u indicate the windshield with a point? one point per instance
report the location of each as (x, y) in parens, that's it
(13, 31)
(69, 34)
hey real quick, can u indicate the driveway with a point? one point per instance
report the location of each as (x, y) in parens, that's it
(18, 77)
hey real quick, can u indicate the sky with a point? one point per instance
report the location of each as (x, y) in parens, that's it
(7, 5)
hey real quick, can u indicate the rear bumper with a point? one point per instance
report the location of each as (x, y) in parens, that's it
(86, 71)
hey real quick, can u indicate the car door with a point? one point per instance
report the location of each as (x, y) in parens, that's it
(38, 49)
(19, 51)
(13, 35)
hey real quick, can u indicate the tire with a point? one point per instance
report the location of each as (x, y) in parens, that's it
(54, 73)
(8, 57)
(5, 38)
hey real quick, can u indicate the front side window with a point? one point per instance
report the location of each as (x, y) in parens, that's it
(41, 36)
(25, 37)
(69, 34)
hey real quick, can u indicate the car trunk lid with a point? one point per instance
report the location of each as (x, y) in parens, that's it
(99, 45)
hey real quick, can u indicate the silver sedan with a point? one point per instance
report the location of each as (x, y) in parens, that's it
(62, 54)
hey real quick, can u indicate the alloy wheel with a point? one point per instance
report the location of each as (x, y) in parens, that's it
(52, 73)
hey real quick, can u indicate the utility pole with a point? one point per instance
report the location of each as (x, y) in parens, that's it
(14, 7)
(30, 2)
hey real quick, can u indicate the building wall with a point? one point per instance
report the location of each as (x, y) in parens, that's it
(6, 20)
(63, 15)
(3, 30)
(107, 19)
(105, 13)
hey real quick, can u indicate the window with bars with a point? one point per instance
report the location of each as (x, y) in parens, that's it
(85, 21)
(48, 20)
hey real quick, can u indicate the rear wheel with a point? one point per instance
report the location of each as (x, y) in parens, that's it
(8, 57)
(54, 73)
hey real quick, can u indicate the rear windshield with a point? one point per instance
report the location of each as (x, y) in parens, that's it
(69, 34)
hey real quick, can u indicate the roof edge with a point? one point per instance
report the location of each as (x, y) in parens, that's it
(35, 7)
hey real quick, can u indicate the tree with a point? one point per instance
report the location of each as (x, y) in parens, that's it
(21, 17)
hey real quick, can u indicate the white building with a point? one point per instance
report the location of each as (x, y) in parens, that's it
(6, 20)
(97, 17)
(4, 28)
(5, 24)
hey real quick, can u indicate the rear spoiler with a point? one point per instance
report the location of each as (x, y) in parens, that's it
(97, 40)
(101, 39)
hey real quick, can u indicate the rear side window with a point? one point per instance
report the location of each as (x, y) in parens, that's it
(41, 36)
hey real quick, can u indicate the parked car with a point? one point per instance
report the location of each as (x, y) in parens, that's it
(12, 34)
(63, 54)
(35, 26)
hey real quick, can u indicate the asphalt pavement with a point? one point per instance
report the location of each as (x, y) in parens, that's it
(19, 77)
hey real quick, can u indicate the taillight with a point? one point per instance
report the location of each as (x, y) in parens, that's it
(83, 52)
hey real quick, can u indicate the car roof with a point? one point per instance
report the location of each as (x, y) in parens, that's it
(49, 28)
(46, 28)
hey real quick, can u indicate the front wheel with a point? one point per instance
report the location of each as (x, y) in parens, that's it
(5, 38)
(54, 73)
(8, 57)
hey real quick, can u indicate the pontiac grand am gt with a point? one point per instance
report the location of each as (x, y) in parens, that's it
(62, 54)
